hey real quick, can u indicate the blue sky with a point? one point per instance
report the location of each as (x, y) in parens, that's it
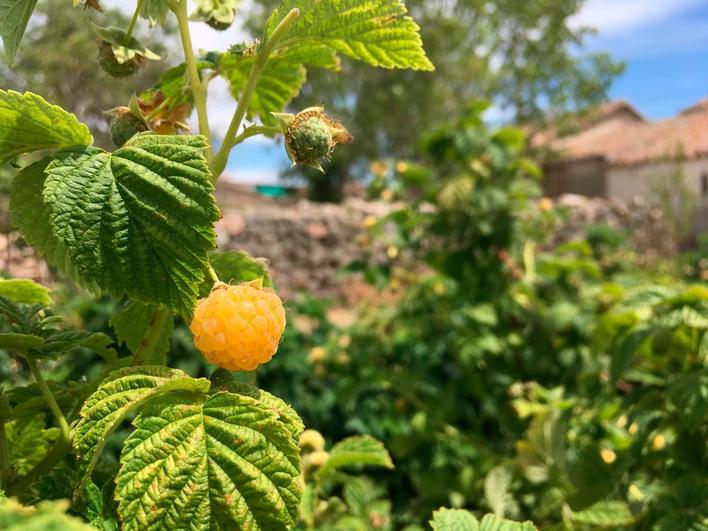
(665, 46)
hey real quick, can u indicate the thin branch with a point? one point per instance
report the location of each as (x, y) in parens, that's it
(221, 158)
(198, 88)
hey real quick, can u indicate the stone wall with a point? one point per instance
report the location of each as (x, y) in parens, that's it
(307, 244)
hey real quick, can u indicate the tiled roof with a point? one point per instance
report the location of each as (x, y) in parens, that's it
(623, 139)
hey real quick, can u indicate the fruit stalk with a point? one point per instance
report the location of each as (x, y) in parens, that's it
(198, 88)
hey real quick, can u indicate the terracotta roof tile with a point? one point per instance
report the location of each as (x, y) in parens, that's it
(624, 141)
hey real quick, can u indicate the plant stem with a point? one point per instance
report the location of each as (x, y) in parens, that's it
(255, 130)
(133, 21)
(51, 401)
(219, 162)
(198, 88)
(152, 335)
(213, 275)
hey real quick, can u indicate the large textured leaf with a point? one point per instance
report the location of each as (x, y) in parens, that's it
(118, 396)
(131, 325)
(357, 450)
(24, 291)
(226, 463)
(610, 514)
(223, 380)
(14, 16)
(139, 221)
(29, 123)
(26, 196)
(377, 32)
(46, 516)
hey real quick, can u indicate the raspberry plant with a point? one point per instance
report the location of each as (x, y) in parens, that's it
(137, 224)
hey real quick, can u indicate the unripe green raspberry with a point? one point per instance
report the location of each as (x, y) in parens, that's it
(110, 64)
(124, 125)
(311, 136)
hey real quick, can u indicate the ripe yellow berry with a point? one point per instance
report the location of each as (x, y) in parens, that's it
(311, 441)
(608, 456)
(238, 327)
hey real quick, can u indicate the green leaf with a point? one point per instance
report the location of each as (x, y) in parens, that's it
(26, 196)
(225, 380)
(25, 291)
(119, 395)
(131, 325)
(454, 520)
(235, 267)
(225, 463)
(155, 11)
(377, 32)
(496, 490)
(14, 16)
(28, 123)
(357, 450)
(610, 514)
(28, 441)
(690, 395)
(46, 516)
(492, 522)
(279, 83)
(22, 343)
(139, 221)
(65, 342)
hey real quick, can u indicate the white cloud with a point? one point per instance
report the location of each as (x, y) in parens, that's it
(619, 16)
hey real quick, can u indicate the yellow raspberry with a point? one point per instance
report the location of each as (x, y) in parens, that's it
(238, 327)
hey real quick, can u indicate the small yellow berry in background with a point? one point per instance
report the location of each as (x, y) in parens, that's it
(311, 441)
(659, 442)
(239, 327)
(314, 460)
(545, 204)
(633, 428)
(344, 341)
(608, 456)
(387, 195)
(392, 252)
(401, 166)
(316, 355)
(369, 222)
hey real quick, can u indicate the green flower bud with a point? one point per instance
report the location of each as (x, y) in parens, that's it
(311, 136)
(124, 125)
(112, 66)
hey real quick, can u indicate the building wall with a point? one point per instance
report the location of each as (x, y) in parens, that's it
(582, 177)
(627, 183)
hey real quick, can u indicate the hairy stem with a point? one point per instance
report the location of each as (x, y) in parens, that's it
(133, 21)
(255, 130)
(198, 88)
(152, 335)
(213, 275)
(51, 401)
(262, 54)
